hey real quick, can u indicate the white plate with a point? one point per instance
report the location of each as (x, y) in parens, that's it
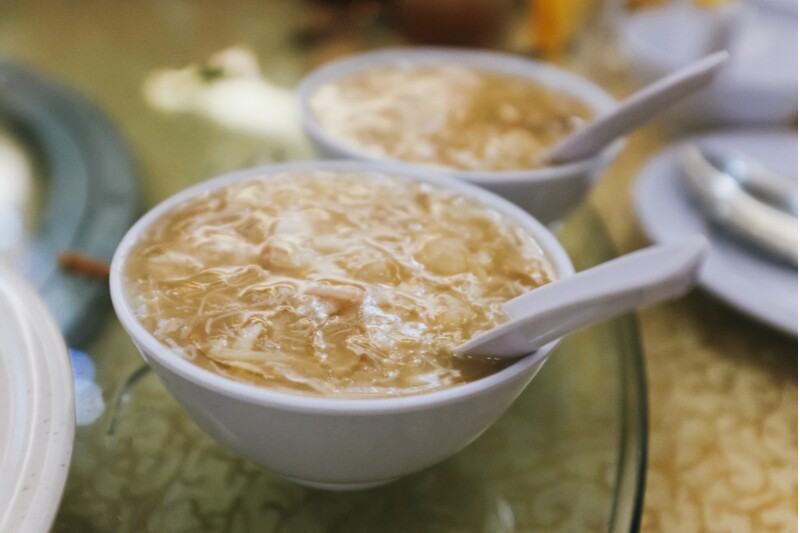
(37, 409)
(741, 276)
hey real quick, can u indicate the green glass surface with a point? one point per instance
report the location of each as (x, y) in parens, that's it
(567, 456)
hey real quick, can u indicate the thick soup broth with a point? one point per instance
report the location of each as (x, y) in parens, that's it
(331, 283)
(449, 116)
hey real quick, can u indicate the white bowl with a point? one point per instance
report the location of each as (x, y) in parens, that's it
(548, 193)
(758, 85)
(335, 443)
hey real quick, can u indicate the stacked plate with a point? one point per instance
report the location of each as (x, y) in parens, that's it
(37, 413)
(739, 271)
(751, 222)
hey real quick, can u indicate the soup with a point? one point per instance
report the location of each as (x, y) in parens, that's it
(331, 283)
(448, 116)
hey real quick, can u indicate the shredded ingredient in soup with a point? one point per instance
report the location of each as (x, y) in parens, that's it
(331, 283)
(449, 116)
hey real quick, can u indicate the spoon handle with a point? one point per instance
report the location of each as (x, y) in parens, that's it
(636, 110)
(635, 280)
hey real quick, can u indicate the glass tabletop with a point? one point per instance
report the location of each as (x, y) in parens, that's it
(568, 456)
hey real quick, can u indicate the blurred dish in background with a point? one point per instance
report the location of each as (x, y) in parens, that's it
(549, 192)
(68, 186)
(17, 193)
(230, 90)
(759, 85)
(740, 275)
(554, 23)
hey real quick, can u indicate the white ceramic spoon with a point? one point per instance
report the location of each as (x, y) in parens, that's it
(635, 280)
(636, 110)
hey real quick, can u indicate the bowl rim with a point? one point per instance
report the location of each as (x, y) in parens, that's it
(299, 402)
(576, 85)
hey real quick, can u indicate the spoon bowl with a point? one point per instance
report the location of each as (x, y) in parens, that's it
(761, 182)
(750, 202)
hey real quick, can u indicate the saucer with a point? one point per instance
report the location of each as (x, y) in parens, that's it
(739, 275)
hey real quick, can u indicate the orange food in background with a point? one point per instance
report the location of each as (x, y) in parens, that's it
(711, 3)
(553, 23)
